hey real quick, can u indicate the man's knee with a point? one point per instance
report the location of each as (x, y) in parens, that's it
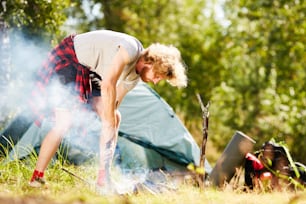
(63, 120)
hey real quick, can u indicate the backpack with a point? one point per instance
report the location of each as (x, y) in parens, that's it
(272, 167)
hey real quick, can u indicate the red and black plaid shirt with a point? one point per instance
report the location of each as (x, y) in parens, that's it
(62, 59)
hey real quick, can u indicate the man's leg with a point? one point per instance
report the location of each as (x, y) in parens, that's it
(50, 145)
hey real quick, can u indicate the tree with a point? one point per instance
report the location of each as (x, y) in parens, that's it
(35, 19)
(36, 22)
(199, 37)
(253, 71)
(263, 93)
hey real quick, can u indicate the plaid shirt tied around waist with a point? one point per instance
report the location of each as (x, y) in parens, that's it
(63, 66)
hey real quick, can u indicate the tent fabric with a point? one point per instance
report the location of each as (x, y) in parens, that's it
(146, 117)
(150, 136)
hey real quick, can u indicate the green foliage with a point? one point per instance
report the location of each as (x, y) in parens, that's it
(35, 18)
(263, 89)
(253, 71)
(196, 36)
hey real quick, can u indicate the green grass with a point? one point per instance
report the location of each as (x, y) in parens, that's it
(65, 188)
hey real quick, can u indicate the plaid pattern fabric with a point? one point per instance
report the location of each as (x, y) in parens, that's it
(61, 65)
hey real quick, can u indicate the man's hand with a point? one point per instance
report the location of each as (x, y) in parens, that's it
(103, 178)
(95, 80)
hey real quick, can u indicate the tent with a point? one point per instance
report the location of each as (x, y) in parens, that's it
(151, 136)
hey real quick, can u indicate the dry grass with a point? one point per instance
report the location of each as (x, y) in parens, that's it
(185, 194)
(64, 188)
(67, 189)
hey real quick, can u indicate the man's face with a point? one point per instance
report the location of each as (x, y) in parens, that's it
(145, 70)
(147, 74)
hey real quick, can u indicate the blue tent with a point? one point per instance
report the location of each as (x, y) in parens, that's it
(151, 136)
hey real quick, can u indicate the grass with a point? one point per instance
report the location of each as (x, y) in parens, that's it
(65, 188)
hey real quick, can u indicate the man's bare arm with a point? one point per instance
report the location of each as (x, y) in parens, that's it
(106, 108)
(108, 87)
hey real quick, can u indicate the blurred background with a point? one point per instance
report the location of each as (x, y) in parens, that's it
(248, 58)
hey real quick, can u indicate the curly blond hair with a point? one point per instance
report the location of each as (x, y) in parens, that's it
(167, 61)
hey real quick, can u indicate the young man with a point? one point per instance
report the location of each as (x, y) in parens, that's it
(101, 66)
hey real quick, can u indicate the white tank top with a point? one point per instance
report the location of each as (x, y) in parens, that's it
(96, 50)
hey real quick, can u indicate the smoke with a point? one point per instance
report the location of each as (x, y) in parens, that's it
(20, 61)
(25, 60)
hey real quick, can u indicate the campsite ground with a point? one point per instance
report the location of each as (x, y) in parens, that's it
(64, 188)
(67, 189)
(186, 194)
